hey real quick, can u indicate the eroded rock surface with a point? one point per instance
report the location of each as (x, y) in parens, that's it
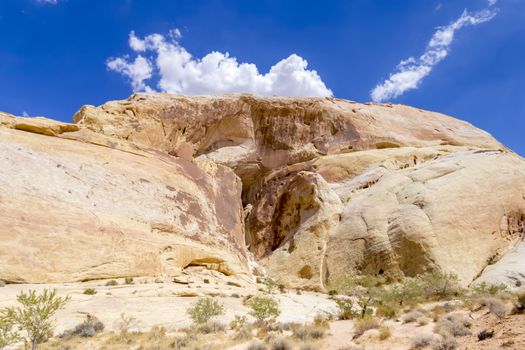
(330, 189)
(84, 207)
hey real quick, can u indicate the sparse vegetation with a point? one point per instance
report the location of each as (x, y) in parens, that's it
(35, 315)
(128, 280)
(438, 285)
(8, 335)
(212, 326)
(205, 309)
(271, 285)
(412, 316)
(257, 345)
(484, 289)
(111, 283)
(88, 328)
(89, 291)
(421, 341)
(346, 308)
(445, 343)
(364, 324)
(384, 332)
(306, 332)
(263, 307)
(455, 325)
(280, 344)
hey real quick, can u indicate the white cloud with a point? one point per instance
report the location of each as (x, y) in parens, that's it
(410, 72)
(176, 70)
(52, 2)
(492, 2)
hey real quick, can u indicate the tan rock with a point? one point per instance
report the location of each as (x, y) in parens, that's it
(73, 210)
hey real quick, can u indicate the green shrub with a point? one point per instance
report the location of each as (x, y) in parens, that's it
(484, 289)
(439, 285)
(263, 307)
(8, 335)
(89, 291)
(205, 309)
(346, 308)
(111, 283)
(128, 280)
(270, 284)
(35, 315)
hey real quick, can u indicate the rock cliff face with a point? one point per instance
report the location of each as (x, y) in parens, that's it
(330, 188)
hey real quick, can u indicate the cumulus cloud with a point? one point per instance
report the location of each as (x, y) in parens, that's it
(52, 2)
(410, 72)
(162, 61)
(492, 2)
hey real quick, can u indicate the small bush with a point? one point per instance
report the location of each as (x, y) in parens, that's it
(257, 346)
(88, 328)
(446, 343)
(204, 309)
(263, 307)
(364, 324)
(412, 316)
(111, 283)
(438, 285)
(126, 323)
(89, 291)
(207, 281)
(421, 341)
(386, 311)
(243, 333)
(271, 285)
(35, 315)
(308, 347)
(495, 306)
(128, 280)
(239, 321)
(521, 299)
(212, 326)
(306, 332)
(280, 344)
(384, 332)
(456, 325)
(484, 289)
(346, 308)
(321, 321)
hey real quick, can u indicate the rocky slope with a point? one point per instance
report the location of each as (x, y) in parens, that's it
(330, 188)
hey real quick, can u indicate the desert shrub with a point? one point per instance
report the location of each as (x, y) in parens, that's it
(521, 299)
(387, 311)
(212, 326)
(256, 346)
(111, 283)
(408, 291)
(280, 344)
(305, 272)
(445, 343)
(263, 307)
(332, 292)
(89, 291)
(439, 285)
(321, 321)
(364, 324)
(239, 321)
(346, 308)
(126, 323)
(271, 285)
(495, 306)
(88, 328)
(8, 335)
(305, 332)
(308, 347)
(421, 341)
(484, 289)
(412, 316)
(35, 316)
(456, 325)
(204, 309)
(384, 332)
(243, 333)
(128, 280)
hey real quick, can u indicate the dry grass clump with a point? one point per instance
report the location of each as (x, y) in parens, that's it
(212, 326)
(306, 332)
(384, 332)
(364, 324)
(421, 341)
(308, 347)
(257, 345)
(495, 306)
(280, 344)
(455, 325)
(445, 343)
(412, 316)
(321, 321)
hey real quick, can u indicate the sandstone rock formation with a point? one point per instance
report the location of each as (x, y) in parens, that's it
(330, 188)
(81, 206)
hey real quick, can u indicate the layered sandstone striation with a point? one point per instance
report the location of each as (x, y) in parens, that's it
(81, 206)
(317, 189)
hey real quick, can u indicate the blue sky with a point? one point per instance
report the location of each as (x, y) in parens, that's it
(56, 55)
